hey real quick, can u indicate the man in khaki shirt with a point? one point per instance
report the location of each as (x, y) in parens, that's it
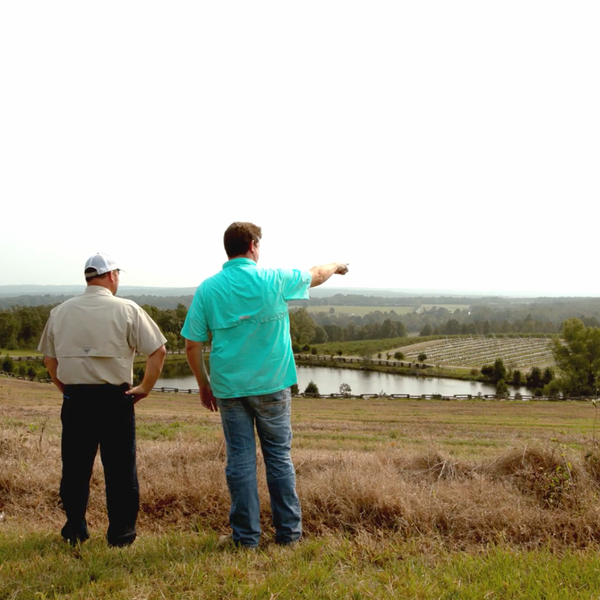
(89, 343)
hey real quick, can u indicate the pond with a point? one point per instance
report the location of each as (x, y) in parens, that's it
(179, 375)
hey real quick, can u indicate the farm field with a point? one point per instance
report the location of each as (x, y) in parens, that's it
(401, 499)
(450, 307)
(399, 310)
(361, 310)
(475, 351)
(364, 347)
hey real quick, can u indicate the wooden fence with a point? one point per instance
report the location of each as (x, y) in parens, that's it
(383, 395)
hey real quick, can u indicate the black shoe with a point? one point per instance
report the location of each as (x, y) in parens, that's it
(74, 535)
(122, 539)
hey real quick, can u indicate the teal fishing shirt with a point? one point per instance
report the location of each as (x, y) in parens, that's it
(244, 307)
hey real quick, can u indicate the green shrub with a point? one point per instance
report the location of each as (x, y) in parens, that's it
(501, 388)
(516, 377)
(312, 388)
(8, 364)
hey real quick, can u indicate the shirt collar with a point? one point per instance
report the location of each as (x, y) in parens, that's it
(238, 262)
(98, 289)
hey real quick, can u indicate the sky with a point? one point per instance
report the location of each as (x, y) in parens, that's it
(444, 146)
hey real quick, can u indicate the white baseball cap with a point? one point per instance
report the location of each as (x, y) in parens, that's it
(101, 263)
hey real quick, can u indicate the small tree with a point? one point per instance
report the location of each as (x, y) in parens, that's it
(313, 351)
(398, 356)
(534, 378)
(552, 390)
(501, 388)
(548, 376)
(345, 389)
(8, 364)
(294, 389)
(494, 372)
(312, 389)
(499, 369)
(516, 377)
(422, 357)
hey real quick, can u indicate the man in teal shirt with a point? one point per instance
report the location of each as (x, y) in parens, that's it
(243, 311)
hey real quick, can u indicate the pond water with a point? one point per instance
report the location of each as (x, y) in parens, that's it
(179, 375)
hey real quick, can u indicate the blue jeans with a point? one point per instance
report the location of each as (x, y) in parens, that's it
(271, 416)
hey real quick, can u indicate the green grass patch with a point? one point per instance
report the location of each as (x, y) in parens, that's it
(20, 352)
(369, 347)
(184, 565)
(165, 430)
(157, 431)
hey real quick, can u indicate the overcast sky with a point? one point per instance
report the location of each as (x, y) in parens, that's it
(434, 145)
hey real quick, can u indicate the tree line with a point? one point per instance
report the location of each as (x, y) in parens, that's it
(576, 351)
(481, 315)
(21, 326)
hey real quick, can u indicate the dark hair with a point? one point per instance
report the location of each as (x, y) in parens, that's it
(238, 236)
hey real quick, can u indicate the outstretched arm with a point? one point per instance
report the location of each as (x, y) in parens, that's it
(322, 273)
(195, 359)
(154, 366)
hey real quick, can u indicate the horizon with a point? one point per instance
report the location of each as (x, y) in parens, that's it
(322, 291)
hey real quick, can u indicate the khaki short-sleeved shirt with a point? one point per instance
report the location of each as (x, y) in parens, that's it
(95, 336)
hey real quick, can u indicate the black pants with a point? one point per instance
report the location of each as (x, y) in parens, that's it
(92, 416)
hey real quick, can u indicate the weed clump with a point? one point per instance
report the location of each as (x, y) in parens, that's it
(545, 475)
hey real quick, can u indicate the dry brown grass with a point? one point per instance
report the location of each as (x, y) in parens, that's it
(538, 491)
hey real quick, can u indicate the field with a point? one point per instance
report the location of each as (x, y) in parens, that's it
(399, 310)
(20, 352)
(516, 352)
(450, 307)
(361, 310)
(363, 347)
(401, 499)
(462, 352)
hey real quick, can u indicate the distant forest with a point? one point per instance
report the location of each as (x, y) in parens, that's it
(22, 318)
(54, 299)
(481, 317)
